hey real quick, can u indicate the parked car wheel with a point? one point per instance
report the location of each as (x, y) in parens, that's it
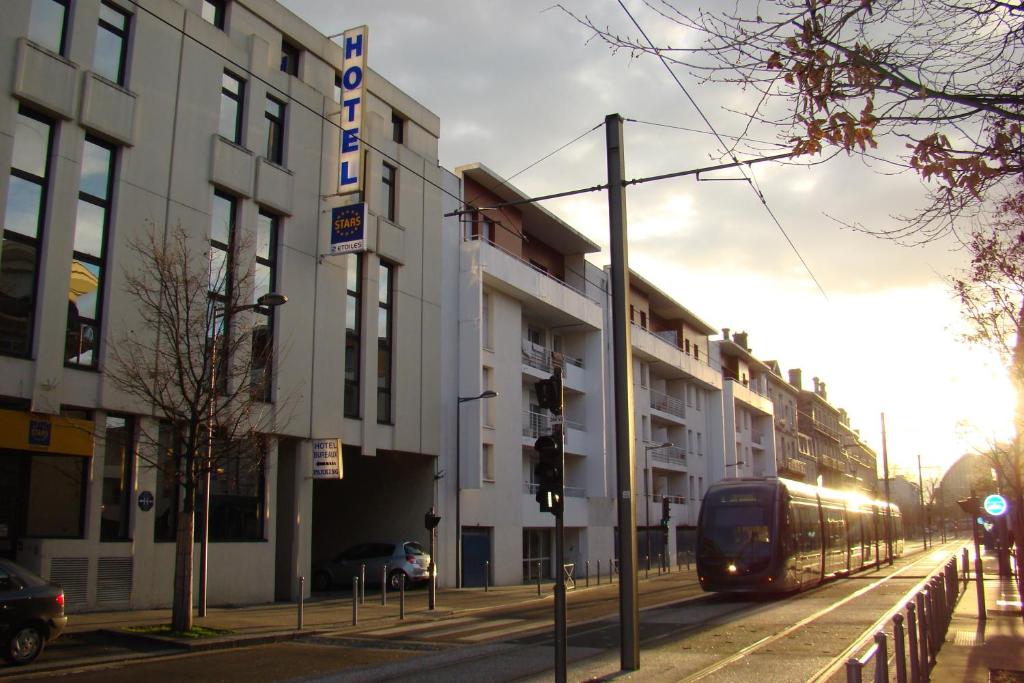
(322, 581)
(395, 580)
(25, 644)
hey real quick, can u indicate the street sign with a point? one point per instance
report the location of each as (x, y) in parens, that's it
(145, 501)
(995, 505)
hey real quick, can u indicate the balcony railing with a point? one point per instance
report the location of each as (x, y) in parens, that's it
(570, 491)
(671, 338)
(668, 404)
(536, 424)
(750, 385)
(546, 360)
(672, 455)
(678, 500)
(793, 465)
(525, 262)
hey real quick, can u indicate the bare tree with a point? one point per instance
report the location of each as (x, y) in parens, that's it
(942, 76)
(200, 363)
(991, 294)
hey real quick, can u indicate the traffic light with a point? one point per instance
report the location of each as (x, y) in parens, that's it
(666, 509)
(549, 392)
(548, 472)
(430, 520)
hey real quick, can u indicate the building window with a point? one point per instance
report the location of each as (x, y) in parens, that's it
(337, 87)
(55, 489)
(88, 266)
(274, 114)
(397, 128)
(215, 11)
(222, 232)
(487, 409)
(385, 300)
(49, 24)
(168, 493)
(117, 478)
(485, 322)
(488, 462)
(265, 282)
(353, 332)
(232, 95)
(289, 58)
(23, 230)
(110, 55)
(237, 493)
(387, 179)
(643, 320)
(644, 375)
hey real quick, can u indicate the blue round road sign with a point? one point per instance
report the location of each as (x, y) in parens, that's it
(995, 505)
(145, 501)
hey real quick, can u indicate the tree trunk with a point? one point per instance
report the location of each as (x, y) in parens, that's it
(181, 610)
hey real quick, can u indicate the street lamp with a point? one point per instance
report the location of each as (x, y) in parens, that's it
(458, 479)
(647, 494)
(738, 463)
(268, 300)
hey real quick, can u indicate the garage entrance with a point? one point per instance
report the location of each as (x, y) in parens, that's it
(381, 499)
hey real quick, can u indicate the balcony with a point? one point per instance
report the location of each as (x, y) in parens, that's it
(668, 404)
(662, 348)
(544, 359)
(792, 466)
(672, 455)
(677, 500)
(570, 491)
(539, 424)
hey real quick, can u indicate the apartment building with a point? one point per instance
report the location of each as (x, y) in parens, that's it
(860, 459)
(789, 460)
(745, 412)
(222, 117)
(674, 391)
(528, 302)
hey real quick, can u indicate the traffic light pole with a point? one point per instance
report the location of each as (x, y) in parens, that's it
(560, 616)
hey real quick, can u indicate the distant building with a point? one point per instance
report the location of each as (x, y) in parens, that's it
(747, 417)
(791, 462)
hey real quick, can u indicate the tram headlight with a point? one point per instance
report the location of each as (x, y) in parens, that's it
(731, 568)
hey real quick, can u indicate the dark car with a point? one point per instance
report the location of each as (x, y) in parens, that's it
(406, 558)
(31, 613)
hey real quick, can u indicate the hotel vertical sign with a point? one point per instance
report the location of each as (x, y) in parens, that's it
(353, 71)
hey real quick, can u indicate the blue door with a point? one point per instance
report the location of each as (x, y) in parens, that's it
(476, 550)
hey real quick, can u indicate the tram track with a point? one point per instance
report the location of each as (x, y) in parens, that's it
(825, 672)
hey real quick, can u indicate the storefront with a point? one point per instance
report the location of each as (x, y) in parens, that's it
(44, 464)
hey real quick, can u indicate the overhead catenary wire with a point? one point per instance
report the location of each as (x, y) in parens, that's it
(725, 147)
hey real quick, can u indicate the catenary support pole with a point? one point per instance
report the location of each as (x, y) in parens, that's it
(629, 604)
(888, 510)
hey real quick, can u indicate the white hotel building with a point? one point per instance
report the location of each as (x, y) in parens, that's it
(221, 117)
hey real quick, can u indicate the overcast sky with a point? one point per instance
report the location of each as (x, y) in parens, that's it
(513, 81)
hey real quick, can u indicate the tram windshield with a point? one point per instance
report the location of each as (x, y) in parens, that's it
(737, 525)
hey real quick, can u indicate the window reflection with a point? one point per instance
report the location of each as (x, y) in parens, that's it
(46, 28)
(24, 204)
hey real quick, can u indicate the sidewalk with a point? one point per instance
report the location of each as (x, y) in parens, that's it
(97, 638)
(990, 650)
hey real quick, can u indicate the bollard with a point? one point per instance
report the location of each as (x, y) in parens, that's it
(362, 584)
(302, 591)
(965, 567)
(881, 658)
(899, 648)
(401, 596)
(611, 575)
(384, 586)
(922, 632)
(915, 669)
(487, 575)
(599, 572)
(587, 569)
(853, 671)
(538, 578)
(661, 564)
(979, 585)
(355, 600)
(647, 566)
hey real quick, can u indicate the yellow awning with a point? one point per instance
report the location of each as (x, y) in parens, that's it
(43, 433)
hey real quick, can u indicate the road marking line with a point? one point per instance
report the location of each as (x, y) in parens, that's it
(408, 628)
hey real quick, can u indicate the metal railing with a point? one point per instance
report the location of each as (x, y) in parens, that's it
(570, 491)
(678, 500)
(927, 614)
(668, 404)
(525, 262)
(544, 359)
(674, 455)
(536, 424)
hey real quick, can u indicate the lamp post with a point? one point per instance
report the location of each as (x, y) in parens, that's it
(740, 463)
(268, 300)
(647, 494)
(458, 479)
